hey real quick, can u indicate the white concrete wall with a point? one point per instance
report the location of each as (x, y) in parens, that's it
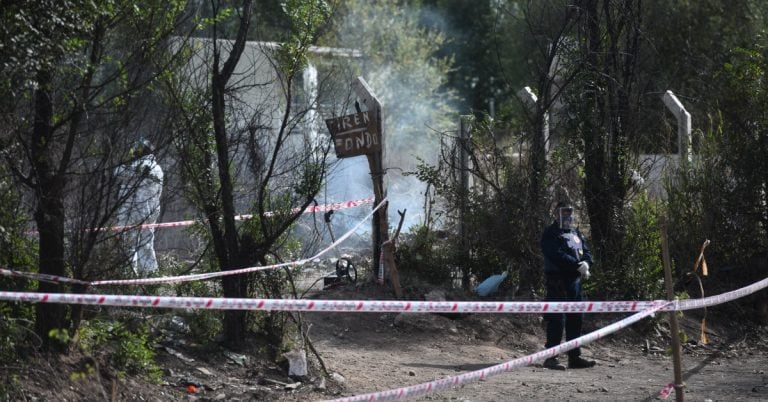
(655, 169)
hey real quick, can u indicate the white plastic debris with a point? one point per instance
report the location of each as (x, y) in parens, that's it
(297, 363)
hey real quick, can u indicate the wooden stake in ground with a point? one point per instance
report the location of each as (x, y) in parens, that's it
(375, 155)
(676, 355)
(388, 255)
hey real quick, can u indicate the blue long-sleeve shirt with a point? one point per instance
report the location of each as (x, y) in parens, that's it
(563, 250)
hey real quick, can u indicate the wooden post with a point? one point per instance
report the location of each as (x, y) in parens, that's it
(388, 257)
(380, 225)
(388, 254)
(676, 355)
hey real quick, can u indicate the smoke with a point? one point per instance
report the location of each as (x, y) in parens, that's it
(400, 67)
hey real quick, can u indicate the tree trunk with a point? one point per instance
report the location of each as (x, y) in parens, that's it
(49, 215)
(234, 320)
(611, 54)
(230, 257)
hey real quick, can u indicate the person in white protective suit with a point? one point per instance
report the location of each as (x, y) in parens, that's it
(141, 184)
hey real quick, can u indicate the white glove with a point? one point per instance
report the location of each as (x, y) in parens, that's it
(584, 270)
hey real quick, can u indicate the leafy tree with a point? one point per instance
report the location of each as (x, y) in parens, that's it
(75, 70)
(269, 22)
(745, 140)
(240, 143)
(553, 68)
(486, 42)
(605, 101)
(722, 195)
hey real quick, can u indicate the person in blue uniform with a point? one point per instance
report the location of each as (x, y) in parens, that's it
(567, 260)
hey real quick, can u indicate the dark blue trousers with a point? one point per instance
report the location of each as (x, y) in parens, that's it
(563, 288)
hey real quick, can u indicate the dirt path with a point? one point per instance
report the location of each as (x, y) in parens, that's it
(376, 352)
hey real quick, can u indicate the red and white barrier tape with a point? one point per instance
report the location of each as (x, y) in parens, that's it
(376, 306)
(193, 277)
(314, 208)
(477, 375)
(326, 207)
(149, 226)
(42, 277)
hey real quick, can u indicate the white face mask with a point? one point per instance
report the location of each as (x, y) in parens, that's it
(565, 218)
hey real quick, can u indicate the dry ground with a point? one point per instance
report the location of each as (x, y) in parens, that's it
(374, 351)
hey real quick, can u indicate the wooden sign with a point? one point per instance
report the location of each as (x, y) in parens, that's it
(354, 134)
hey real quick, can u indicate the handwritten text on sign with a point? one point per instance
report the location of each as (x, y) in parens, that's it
(354, 134)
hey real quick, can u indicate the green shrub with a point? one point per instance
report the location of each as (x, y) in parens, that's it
(18, 251)
(204, 325)
(10, 389)
(641, 277)
(721, 197)
(129, 350)
(421, 253)
(15, 326)
(501, 231)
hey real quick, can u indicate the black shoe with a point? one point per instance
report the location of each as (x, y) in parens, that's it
(553, 364)
(578, 362)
